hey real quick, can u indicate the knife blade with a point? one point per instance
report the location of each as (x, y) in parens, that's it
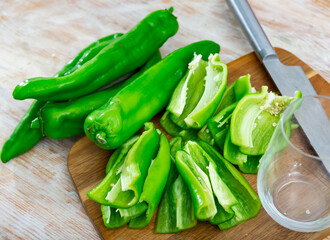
(288, 79)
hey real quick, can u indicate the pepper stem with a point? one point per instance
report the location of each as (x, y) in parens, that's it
(101, 137)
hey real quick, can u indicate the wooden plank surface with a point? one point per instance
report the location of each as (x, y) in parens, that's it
(86, 163)
(37, 197)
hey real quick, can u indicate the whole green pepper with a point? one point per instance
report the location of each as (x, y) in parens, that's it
(127, 111)
(118, 58)
(86, 54)
(24, 137)
(175, 211)
(58, 120)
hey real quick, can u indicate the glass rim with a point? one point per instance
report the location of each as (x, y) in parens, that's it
(283, 131)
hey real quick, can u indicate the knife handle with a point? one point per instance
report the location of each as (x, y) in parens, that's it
(252, 28)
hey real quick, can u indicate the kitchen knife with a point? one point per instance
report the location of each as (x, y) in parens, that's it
(288, 79)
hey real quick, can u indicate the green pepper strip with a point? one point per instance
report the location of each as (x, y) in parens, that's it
(24, 137)
(188, 92)
(113, 171)
(233, 192)
(125, 113)
(246, 163)
(127, 191)
(112, 218)
(120, 57)
(215, 85)
(176, 211)
(193, 168)
(238, 89)
(174, 130)
(219, 125)
(154, 184)
(66, 119)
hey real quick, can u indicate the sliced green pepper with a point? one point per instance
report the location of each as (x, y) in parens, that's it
(246, 163)
(174, 130)
(113, 171)
(198, 94)
(215, 85)
(127, 191)
(219, 125)
(193, 169)
(232, 94)
(255, 118)
(126, 112)
(176, 211)
(237, 198)
(188, 92)
(154, 184)
(112, 218)
(120, 57)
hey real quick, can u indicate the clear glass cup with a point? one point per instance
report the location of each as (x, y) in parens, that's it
(293, 183)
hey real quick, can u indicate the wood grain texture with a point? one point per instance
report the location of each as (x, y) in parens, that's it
(37, 197)
(86, 163)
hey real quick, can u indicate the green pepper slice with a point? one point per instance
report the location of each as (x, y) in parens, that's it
(174, 130)
(127, 191)
(112, 218)
(215, 85)
(188, 92)
(233, 93)
(193, 168)
(154, 184)
(176, 210)
(231, 189)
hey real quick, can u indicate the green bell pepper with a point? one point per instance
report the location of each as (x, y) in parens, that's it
(246, 163)
(176, 211)
(219, 125)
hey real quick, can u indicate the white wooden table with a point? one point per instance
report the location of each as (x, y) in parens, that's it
(37, 196)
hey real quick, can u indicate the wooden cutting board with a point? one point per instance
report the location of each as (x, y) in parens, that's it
(86, 163)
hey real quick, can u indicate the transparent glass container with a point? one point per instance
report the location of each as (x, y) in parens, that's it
(293, 182)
